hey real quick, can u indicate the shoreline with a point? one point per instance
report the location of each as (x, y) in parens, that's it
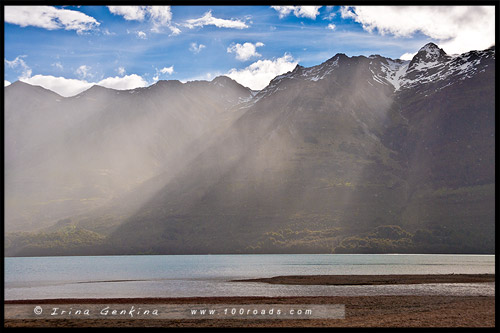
(355, 280)
(360, 311)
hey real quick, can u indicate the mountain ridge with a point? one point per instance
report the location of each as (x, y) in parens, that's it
(430, 52)
(342, 156)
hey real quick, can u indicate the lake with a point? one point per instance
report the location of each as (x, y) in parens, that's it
(210, 275)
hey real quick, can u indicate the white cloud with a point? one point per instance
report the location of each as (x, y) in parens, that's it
(62, 86)
(283, 10)
(6, 83)
(141, 34)
(299, 11)
(258, 75)
(329, 17)
(331, 26)
(164, 70)
(71, 87)
(196, 48)
(50, 18)
(159, 16)
(208, 19)
(175, 30)
(121, 70)
(83, 71)
(407, 56)
(457, 28)
(245, 51)
(167, 70)
(123, 83)
(130, 13)
(19, 63)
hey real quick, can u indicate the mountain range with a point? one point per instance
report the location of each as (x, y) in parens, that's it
(355, 155)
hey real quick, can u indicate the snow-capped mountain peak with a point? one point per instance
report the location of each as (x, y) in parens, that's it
(428, 54)
(431, 50)
(431, 69)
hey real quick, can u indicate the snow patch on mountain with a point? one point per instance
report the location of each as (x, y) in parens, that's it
(430, 65)
(394, 72)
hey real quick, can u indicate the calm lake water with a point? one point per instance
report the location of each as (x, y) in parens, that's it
(210, 275)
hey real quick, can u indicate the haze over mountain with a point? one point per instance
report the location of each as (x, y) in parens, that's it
(357, 154)
(65, 155)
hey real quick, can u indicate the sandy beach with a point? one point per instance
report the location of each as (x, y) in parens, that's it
(360, 311)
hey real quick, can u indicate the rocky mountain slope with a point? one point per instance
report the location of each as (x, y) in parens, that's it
(358, 154)
(68, 155)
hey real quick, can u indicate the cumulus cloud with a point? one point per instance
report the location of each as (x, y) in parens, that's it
(299, 11)
(141, 34)
(208, 19)
(62, 86)
(167, 70)
(6, 83)
(457, 29)
(159, 16)
(245, 51)
(71, 87)
(258, 75)
(123, 82)
(164, 70)
(407, 56)
(331, 26)
(50, 18)
(196, 48)
(19, 64)
(130, 13)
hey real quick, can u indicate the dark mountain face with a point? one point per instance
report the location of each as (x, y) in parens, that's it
(338, 149)
(360, 154)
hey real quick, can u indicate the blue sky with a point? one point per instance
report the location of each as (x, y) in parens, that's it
(68, 49)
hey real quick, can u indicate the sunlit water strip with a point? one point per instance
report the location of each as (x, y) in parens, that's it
(195, 276)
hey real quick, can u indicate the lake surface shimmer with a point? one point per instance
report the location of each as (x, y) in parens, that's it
(211, 275)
